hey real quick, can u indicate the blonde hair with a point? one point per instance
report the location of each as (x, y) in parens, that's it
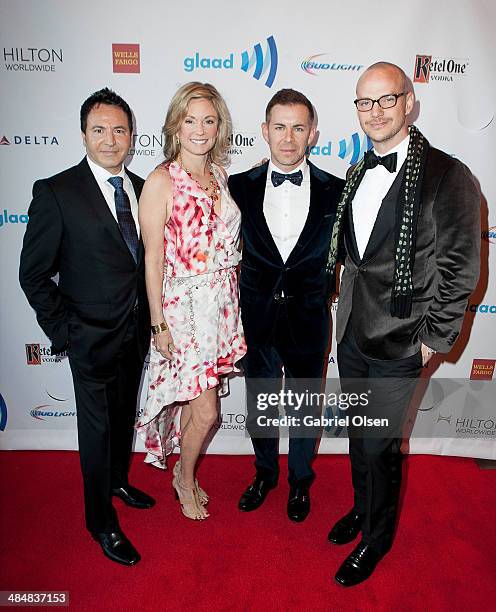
(177, 111)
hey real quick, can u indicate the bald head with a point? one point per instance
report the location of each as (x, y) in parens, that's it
(385, 69)
(386, 127)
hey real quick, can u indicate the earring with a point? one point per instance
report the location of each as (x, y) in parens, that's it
(178, 142)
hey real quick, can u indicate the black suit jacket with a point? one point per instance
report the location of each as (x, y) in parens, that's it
(445, 271)
(71, 232)
(265, 278)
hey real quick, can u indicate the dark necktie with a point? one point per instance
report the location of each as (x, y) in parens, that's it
(371, 160)
(278, 178)
(124, 216)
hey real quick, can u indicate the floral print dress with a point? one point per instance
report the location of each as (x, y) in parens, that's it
(200, 304)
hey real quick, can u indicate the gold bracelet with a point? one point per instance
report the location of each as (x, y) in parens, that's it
(160, 327)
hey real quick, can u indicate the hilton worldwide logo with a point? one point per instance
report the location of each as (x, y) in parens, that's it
(32, 59)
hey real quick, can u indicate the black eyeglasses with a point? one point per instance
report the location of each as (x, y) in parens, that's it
(387, 101)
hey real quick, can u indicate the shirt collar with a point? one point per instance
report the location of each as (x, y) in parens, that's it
(303, 167)
(102, 175)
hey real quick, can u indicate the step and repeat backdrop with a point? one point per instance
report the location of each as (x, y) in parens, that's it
(54, 53)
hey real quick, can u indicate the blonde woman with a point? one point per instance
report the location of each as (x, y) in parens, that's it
(190, 227)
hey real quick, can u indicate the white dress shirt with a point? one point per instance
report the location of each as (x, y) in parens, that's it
(286, 208)
(101, 176)
(370, 193)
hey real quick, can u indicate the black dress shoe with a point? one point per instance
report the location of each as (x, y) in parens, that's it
(346, 529)
(134, 497)
(298, 503)
(117, 547)
(255, 494)
(358, 566)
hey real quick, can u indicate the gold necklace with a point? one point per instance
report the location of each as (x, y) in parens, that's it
(212, 186)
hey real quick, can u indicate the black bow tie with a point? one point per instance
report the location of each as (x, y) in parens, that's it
(371, 160)
(278, 178)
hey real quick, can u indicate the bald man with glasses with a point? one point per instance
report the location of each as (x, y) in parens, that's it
(410, 223)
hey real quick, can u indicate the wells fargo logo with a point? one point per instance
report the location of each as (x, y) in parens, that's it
(482, 369)
(126, 58)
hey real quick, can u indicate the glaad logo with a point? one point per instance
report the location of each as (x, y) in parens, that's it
(311, 63)
(428, 68)
(7, 217)
(263, 63)
(481, 308)
(41, 413)
(489, 236)
(352, 147)
(31, 59)
(3, 414)
(29, 140)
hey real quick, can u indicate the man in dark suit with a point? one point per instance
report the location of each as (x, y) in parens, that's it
(288, 207)
(83, 226)
(411, 221)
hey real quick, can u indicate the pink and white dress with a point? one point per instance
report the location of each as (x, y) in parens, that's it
(200, 304)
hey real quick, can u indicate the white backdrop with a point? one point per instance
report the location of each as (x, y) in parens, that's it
(55, 53)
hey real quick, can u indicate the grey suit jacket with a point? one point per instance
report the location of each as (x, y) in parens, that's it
(445, 271)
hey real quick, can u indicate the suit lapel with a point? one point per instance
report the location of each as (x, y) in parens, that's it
(319, 184)
(255, 195)
(385, 220)
(351, 243)
(92, 194)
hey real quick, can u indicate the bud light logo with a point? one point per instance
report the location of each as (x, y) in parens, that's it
(3, 413)
(262, 63)
(44, 411)
(315, 62)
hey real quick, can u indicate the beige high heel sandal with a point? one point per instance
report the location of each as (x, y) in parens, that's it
(202, 494)
(188, 498)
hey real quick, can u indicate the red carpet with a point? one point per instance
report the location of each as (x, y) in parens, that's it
(443, 558)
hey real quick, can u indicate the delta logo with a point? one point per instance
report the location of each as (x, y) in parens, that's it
(260, 62)
(353, 147)
(490, 235)
(313, 63)
(126, 58)
(44, 411)
(41, 354)
(29, 139)
(482, 369)
(428, 68)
